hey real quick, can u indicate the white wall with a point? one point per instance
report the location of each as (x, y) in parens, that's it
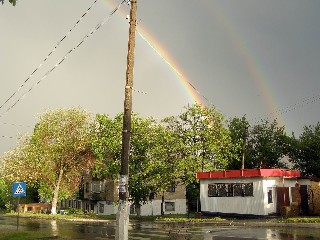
(109, 209)
(240, 205)
(270, 183)
(256, 205)
(152, 208)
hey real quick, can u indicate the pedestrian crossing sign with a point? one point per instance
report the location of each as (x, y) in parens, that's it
(19, 189)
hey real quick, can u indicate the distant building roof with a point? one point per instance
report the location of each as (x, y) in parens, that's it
(245, 173)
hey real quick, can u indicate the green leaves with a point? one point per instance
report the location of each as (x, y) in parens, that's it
(59, 144)
(146, 161)
(199, 141)
(305, 151)
(13, 2)
(263, 145)
(266, 146)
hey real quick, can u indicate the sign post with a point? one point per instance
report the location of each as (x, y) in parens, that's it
(19, 189)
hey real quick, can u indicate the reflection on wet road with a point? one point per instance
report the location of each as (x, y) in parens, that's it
(153, 231)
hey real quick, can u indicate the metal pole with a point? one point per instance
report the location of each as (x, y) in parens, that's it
(122, 215)
(18, 216)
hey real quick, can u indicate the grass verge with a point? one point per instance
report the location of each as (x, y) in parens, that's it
(303, 220)
(26, 235)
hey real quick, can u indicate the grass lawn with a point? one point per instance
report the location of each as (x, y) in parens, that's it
(166, 218)
(13, 234)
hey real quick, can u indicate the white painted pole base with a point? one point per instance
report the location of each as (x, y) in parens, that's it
(122, 220)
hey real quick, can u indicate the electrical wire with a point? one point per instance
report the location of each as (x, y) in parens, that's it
(290, 108)
(48, 56)
(16, 125)
(8, 137)
(93, 31)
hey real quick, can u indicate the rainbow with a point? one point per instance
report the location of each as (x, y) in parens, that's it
(192, 94)
(250, 61)
(242, 49)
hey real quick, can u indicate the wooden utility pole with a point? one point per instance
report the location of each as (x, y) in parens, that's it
(122, 215)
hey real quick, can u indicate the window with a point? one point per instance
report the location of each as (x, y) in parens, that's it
(237, 190)
(230, 190)
(101, 208)
(270, 196)
(248, 189)
(96, 187)
(212, 190)
(171, 188)
(169, 206)
(87, 187)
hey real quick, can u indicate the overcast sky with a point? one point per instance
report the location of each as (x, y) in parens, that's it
(254, 57)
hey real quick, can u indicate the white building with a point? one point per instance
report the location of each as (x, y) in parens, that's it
(258, 192)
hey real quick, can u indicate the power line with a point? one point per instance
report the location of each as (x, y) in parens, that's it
(93, 31)
(293, 107)
(9, 137)
(47, 57)
(16, 125)
(300, 104)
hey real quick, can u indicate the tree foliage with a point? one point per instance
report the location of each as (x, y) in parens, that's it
(203, 144)
(55, 156)
(13, 2)
(5, 194)
(145, 162)
(205, 140)
(266, 146)
(239, 132)
(305, 151)
(106, 145)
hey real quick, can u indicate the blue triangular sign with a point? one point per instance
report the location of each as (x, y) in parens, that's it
(19, 189)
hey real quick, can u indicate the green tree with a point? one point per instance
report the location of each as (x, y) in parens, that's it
(5, 194)
(13, 2)
(205, 143)
(305, 151)
(106, 146)
(55, 156)
(239, 131)
(266, 146)
(144, 167)
(166, 155)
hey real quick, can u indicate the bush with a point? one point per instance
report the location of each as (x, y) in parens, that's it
(193, 220)
(74, 211)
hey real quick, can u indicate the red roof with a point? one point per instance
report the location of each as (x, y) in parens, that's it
(249, 173)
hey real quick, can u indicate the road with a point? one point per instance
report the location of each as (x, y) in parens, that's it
(155, 231)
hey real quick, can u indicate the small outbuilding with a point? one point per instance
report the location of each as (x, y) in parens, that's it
(258, 192)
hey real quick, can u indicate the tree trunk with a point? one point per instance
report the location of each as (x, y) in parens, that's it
(162, 203)
(56, 194)
(138, 209)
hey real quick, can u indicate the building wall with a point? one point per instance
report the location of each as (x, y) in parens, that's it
(178, 193)
(105, 208)
(174, 202)
(99, 196)
(239, 205)
(174, 206)
(263, 201)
